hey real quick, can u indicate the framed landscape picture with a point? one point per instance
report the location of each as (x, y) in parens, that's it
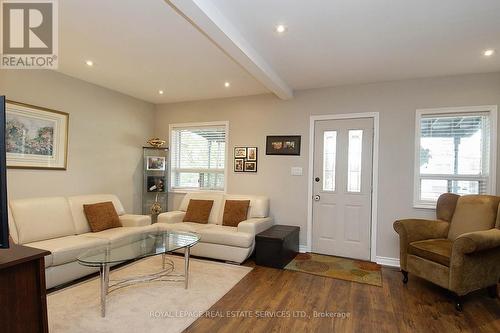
(283, 145)
(36, 137)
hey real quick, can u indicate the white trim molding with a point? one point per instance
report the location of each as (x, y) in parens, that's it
(492, 111)
(304, 249)
(386, 261)
(374, 213)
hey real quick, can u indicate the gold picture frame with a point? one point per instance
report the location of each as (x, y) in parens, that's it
(36, 137)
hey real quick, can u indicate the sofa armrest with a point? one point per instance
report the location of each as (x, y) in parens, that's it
(131, 220)
(412, 230)
(255, 225)
(476, 241)
(171, 217)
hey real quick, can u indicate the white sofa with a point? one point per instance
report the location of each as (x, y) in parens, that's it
(234, 244)
(59, 225)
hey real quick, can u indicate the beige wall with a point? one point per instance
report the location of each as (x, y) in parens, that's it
(107, 130)
(252, 118)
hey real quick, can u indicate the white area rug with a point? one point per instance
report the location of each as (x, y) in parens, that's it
(144, 307)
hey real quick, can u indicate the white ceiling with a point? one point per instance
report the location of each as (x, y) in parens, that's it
(139, 47)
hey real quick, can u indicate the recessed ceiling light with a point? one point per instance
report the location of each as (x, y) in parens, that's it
(489, 52)
(89, 63)
(280, 28)
(227, 84)
(161, 92)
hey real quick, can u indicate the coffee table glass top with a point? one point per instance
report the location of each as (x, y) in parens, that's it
(138, 246)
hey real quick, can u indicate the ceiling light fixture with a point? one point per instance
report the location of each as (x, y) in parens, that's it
(227, 84)
(161, 92)
(280, 28)
(89, 63)
(489, 52)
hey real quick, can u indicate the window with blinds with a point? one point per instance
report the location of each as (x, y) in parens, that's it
(198, 157)
(453, 155)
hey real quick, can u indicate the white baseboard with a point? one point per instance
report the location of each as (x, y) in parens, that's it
(304, 248)
(386, 261)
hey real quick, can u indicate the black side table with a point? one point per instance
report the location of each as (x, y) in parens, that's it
(277, 246)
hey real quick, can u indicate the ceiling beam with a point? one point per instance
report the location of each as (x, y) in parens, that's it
(207, 18)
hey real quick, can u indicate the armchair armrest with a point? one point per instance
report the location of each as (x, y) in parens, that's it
(131, 220)
(418, 229)
(171, 217)
(476, 241)
(255, 225)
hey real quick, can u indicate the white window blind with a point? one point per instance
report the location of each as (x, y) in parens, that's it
(198, 157)
(453, 155)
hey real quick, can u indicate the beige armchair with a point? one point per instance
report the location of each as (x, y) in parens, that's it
(460, 250)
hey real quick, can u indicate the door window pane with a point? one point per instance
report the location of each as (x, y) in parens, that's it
(329, 160)
(354, 161)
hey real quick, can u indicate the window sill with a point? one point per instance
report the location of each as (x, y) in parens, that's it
(185, 190)
(424, 206)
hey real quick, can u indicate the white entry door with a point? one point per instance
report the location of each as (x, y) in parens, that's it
(342, 187)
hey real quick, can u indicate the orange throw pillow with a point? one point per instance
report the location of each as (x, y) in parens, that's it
(235, 211)
(101, 216)
(198, 211)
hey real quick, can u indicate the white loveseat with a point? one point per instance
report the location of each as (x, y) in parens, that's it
(59, 225)
(234, 244)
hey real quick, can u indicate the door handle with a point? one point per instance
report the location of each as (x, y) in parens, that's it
(316, 179)
(317, 197)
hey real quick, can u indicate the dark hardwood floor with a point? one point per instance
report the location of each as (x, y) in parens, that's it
(418, 306)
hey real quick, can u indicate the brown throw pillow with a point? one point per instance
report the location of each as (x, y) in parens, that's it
(101, 216)
(198, 211)
(235, 211)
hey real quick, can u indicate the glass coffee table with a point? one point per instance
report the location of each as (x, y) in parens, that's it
(136, 247)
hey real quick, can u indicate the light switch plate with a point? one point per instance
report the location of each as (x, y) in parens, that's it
(296, 171)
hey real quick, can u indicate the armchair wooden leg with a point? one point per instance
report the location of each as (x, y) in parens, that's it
(459, 301)
(492, 291)
(405, 276)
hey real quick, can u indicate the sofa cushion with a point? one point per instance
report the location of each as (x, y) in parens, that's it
(198, 211)
(122, 235)
(225, 235)
(259, 205)
(473, 213)
(76, 205)
(235, 211)
(437, 250)
(41, 218)
(101, 216)
(67, 249)
(215, 215)
(183, 226)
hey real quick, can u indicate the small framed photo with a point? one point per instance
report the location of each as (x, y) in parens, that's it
(252, 154)
(250, 166)
(239, 165)
(156, 163)
(156, 184)
(283, 145)
(240, 152)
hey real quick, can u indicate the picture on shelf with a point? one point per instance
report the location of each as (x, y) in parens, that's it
(283, 145)
(239, 165)
(156, 184)
(252, 154)
(156, 163)
(250, 166)
(240, 152)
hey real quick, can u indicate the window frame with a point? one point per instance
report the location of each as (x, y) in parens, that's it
(467, 110)
(171, 127)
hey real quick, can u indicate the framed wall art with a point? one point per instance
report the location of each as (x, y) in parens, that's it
(245, 159)
(283, 145)
(36, 137)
